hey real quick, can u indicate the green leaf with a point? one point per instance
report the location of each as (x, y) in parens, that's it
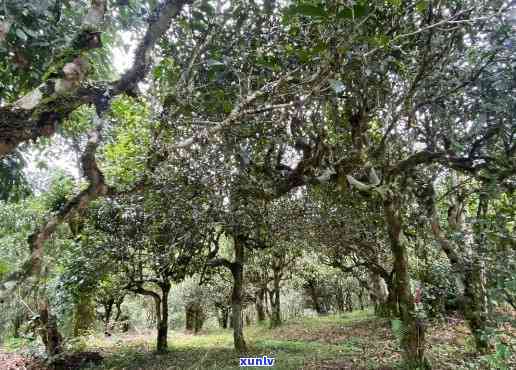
(214, 63)
(309, 10)
(22, 35)
(356, 11)
(421, 6)
(395, 3)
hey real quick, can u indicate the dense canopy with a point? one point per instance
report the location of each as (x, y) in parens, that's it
(243, 161)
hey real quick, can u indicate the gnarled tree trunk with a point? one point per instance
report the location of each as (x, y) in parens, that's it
(413, 328)
(470, 271)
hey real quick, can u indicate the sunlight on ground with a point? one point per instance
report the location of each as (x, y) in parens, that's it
(356, 340)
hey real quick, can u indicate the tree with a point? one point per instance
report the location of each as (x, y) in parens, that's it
(154, 242)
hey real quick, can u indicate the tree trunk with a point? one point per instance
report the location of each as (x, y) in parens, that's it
(389, 307)
(470, 271)
(475, 291)
(199, 320)
(260, 311)
(475, 306)
(413, 328)
(84, 315)
(49, 332)
(340, 299)
(361, 299)
(118, 305)
(194, 317)
(190, 316)
(349, 301)
(312, 289)
(224, 317)
(384, 296)
(162, 342)
(108, 310)
(237, 270)
(19, 319)
(275, 301)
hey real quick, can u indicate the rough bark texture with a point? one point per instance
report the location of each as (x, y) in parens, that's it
(108, 310)
(413, 328)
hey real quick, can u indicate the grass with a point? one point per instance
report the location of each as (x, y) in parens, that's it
(290, 345)
(353, 341)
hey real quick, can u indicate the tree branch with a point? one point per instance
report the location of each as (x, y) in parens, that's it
(39, 113)
(97, 187)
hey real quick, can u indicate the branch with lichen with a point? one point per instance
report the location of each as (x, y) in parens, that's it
(39, 113)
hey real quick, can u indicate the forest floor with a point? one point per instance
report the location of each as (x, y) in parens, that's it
(355, 341)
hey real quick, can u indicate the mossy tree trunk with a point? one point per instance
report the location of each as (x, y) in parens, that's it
(470, 270)
(476, 309)
(413, 328)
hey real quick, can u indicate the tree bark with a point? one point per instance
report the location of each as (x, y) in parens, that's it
(413, 328)
(237, 270)
(108, 310)
(84, 315)
(348, 300)
(475, 292)
(223, 317)
(470, 272)
(162, 340)
(49, 331)
(189, 318)
(340, 299)
(361, 299)
(260, 310)
(194, 317)
(275, 300)
(161, 307)
(312, 289)
(118, 305)
(199, 321)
